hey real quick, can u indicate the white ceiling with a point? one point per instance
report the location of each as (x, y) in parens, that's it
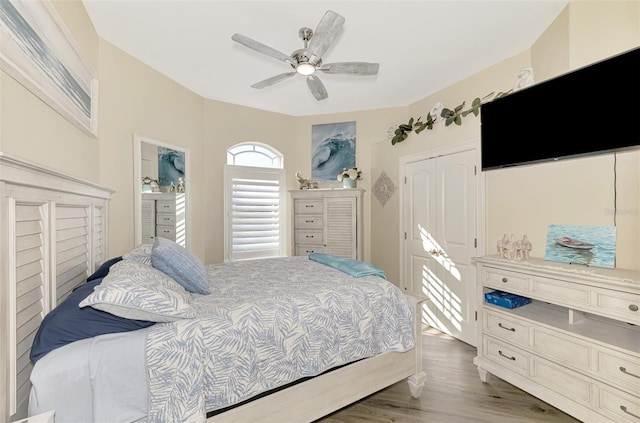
(421, 46)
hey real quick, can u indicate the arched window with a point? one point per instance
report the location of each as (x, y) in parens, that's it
(254, 154)
(254, 202)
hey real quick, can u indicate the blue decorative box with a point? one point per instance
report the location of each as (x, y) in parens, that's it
(505, 299)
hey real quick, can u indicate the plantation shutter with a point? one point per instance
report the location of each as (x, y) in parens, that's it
(254, 206)
(72, 256)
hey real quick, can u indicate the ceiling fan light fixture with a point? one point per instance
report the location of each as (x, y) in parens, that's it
(305, 68)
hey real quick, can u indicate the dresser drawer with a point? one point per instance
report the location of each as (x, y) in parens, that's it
(303, 250)
(561, 348)
(166, 219)
(508, 329)
(309, 206)
(563, 381)
(506, 356)
(507, 281)
(165, 206)
(559, 292)
(618, 369)
(168, 232)
(309, 237)
(309, 222)
(616, 304)
(618, 406)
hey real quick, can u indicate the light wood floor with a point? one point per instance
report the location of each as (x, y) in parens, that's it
(453, 393)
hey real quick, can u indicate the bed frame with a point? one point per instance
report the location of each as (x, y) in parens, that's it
(53, 235)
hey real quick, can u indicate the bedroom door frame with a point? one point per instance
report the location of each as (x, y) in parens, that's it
(480, 219)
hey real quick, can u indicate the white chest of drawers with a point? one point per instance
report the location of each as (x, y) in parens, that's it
(327, 221)
(163, 214)
(576, 346)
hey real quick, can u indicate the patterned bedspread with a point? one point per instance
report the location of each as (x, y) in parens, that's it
(265, 324)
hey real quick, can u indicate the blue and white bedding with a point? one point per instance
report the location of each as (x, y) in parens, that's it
(267, 323)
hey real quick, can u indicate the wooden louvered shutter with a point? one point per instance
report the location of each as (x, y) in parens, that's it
(340, 227)
(30, 296)
(254, 204)
(72, 232)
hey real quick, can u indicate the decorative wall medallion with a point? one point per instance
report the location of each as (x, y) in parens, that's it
(384, 188)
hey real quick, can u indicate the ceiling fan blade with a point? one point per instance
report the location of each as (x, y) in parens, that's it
(324, 35)
(274, 79)
(261, 48)
(317, 87)
(354, 68)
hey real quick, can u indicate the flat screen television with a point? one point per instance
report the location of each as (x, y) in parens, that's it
(592, 110)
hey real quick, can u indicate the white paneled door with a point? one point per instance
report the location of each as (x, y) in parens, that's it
(439, 219)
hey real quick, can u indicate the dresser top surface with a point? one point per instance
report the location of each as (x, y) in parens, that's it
(626, 276)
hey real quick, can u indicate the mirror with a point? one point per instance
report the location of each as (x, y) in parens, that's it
(161, 191)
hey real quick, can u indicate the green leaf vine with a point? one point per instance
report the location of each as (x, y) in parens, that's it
(449, 116)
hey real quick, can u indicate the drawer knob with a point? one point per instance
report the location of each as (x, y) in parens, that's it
(506, 328)
(309, 236)
(624, 370)
(633, 307)
(624, 410)
(308, 221)
(506, 356)
(505, 280)
(309, 206)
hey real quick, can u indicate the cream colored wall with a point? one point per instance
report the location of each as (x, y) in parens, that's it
(138, 100)
(224, 126)
(371, 128)
(576, 191)
(31, 129)
(525, 200)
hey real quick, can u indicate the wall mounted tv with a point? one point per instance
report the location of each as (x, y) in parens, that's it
(592, 110)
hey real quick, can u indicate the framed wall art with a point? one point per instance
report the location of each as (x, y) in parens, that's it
(580, 244)
(38, 51)
(333, 148)
(170, 166)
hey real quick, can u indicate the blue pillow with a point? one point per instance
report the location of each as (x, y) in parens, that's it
(181, 264)
(68, 323)
(104, 269)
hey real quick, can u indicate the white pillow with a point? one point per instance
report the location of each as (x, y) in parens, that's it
(141, 254)
(136, 291)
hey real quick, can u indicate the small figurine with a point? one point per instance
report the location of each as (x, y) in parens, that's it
(306, 183)
(502, 246)
(180, 187)
(172, 188)
(525, 79)
(526, 247)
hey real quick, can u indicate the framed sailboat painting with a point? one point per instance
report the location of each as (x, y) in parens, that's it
(589, 245)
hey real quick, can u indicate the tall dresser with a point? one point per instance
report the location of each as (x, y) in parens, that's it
(575, 346)
(163, 214)
(327, 221)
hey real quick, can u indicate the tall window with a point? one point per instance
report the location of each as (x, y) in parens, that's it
(254, 202)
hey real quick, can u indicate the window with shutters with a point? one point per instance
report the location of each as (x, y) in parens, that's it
(254, 202)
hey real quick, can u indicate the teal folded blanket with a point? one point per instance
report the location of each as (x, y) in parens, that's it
(355, 268)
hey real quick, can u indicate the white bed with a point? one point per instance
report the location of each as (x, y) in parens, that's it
(29, 188)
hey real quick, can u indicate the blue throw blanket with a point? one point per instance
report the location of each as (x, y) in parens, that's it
(355, 268)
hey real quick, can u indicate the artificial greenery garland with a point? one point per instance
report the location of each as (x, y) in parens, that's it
(449, 116)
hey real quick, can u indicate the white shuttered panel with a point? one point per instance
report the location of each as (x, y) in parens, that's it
(254, 205)
(72, 244)
(53, 232)
(29, 296)
(340, 227)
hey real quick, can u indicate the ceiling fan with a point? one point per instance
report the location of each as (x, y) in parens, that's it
(308, 60)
